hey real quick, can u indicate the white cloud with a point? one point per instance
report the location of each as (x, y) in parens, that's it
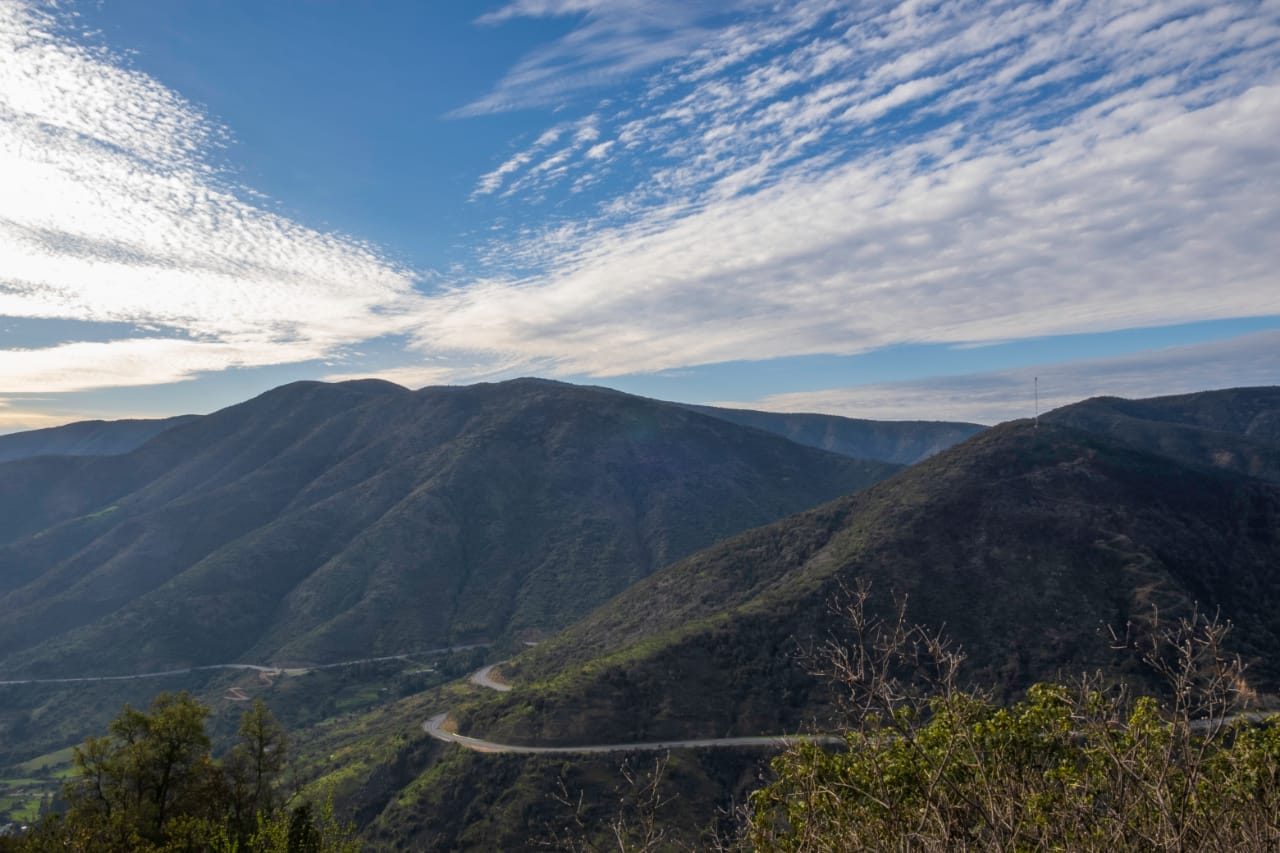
(18, 420)
(614, 39)
(491, 182)
(452, 371)
(814, 177)
(82, 366)
(1003, 395)
(840, 177)
(540, 169)
(1107, 226)
(410, 376)
(111, 212)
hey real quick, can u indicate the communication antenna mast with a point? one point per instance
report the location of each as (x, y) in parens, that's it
(1037, 387)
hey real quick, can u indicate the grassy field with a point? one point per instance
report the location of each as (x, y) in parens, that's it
(25, 785)
(39, 723)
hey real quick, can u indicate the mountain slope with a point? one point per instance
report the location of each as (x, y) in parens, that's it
(900, 442)
(318, 522)
(1025, 543)
(1237, 429)
(86, 438)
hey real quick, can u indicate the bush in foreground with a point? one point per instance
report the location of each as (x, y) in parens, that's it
(929, 766)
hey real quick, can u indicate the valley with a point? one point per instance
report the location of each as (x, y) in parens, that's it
(328, 522)
(585, 558)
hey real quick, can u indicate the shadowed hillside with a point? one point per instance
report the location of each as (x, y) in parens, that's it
(1237, 429)
(902, 442)
(1025, 543)
(86, 438)
(320, 522)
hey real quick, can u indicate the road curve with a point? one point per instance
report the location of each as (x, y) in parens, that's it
(483, 677)
(434, 727)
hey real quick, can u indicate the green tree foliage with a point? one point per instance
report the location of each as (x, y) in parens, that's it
(930, 766)
(253, 766)
(150, 769)
(1059, 771)
(151, 785)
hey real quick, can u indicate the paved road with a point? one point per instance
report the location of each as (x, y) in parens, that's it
(434, 727)
(271, 670)
(483, 677)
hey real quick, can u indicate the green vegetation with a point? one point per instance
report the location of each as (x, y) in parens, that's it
(27, 788)
(1063, 770)
(1027, 543)
(1237, 429)
(336, 519)
(37, 720)
(1088, 767)
(927, 765)
(58, 762)
(321, 522)
(151, 784)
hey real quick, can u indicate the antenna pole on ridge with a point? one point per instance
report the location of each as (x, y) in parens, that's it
(1037, 409)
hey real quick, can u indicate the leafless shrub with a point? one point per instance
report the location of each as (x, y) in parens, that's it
(635, 824)
(1081, 766)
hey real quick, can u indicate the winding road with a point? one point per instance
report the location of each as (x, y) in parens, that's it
(483, 678)
(434, 727)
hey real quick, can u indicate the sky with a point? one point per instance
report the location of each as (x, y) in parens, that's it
(900, 209)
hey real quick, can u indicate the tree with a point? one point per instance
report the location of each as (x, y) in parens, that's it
(1088, 766)
(149, 768)
(151, 785)
(254, 765)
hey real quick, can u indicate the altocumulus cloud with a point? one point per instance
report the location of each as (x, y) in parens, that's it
(835, 178)
(110, 212)
(813, 177)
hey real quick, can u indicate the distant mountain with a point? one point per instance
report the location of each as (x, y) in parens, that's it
(320, 522)
(1025, 542)
(901, 442)
(1237, 429)
(86, 438)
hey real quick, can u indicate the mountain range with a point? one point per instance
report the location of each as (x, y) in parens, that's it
(86, 438)
(900, 442)
(327, 521)
(1027, 542)
(669, 563)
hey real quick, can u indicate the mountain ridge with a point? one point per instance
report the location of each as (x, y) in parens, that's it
(900, 442)
(299, 525)
(87, 438)
(903, 442)
(1235, 428)
(1015, 540)
(1026, 544)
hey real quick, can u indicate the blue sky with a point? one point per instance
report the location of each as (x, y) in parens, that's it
(895, 209)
